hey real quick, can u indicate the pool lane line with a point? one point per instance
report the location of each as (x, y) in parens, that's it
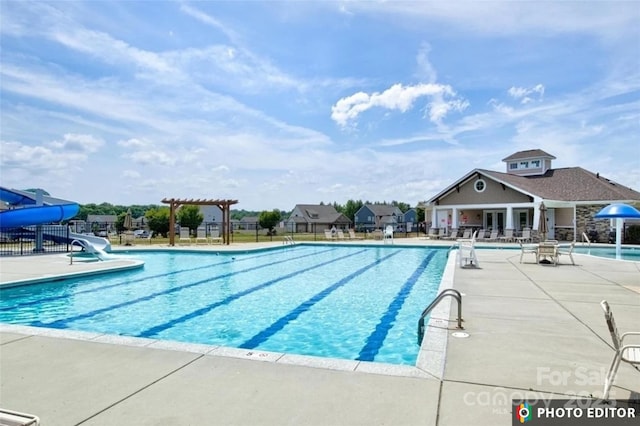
(265, 334)
(61, 323)
(138, 280)
(199, 312)
(376, 338)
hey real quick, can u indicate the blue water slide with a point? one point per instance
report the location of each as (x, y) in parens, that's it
(54, 210)
(37, 215)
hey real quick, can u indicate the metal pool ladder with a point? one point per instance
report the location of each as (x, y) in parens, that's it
(444, 293)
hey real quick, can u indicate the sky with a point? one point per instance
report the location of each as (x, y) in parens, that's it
(275, 103)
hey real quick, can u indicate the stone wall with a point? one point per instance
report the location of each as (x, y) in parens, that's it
(585, 222)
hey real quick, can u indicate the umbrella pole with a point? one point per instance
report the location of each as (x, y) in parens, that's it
(618, 238)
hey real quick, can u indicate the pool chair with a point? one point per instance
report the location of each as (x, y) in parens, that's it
(467, 252)
(433, 234)
(452, 236)
(567, 251)
(9, 417)
(201, 235)
(352, 235)
(507, 237)
(185, 236)
(493, 236)
(340, 234)
(214, 237)
(629, 353)
(527, 249)
(466, 234)
(526, 236)
(388, 234)
(328, 235)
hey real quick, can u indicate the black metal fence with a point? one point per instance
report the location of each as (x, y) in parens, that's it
(37, 239)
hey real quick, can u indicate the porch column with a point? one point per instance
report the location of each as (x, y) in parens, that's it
(536, 216)
(454, 218)
(509, 224)
(434, 218)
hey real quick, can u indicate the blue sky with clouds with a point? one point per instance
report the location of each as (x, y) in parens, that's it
(280, 103)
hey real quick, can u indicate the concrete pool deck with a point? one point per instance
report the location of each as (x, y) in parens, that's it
(534, 330)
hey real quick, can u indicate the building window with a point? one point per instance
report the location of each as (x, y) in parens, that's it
(535, 163)
(513, 166)
(524, 164)
(480, 185)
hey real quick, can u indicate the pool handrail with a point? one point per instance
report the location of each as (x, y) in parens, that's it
(444, 293)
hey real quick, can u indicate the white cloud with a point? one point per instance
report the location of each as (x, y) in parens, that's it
(398, 97)
(78, 143)
(152, 157)
(135, 143)
(523, 93)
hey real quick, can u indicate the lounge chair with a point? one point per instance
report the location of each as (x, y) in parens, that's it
(453, 235)
(629, 353)
(508, 236)
(493, 236)
(201, 236)
(525, 237)
(388, 234)
(433, 234)
(466, 234)
(340, 234)
(185, 236)
(352, 235)
(480, 235)
(567, 251)
(525, 249)
(10, 417)
(214, 237)
(328, 235)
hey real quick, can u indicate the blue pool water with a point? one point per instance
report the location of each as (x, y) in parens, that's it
(627, 253)
(359, 303)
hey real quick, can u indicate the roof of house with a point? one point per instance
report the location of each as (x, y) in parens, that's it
(571, 184)
(319, 213)
(529, 153)
(102, 218)
(382, 209)
(568, 184)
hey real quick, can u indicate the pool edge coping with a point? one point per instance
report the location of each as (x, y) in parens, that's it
(430, 361)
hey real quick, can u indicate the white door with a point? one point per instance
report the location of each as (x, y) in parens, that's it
(551, 223)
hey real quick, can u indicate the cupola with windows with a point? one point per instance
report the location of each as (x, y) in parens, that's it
(529, 163)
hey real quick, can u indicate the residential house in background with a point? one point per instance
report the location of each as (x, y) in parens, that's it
(511, 199)
(377, 216)
(410, 220)
(212, 215)
(249, 223)
(97, 223)
(315, 218)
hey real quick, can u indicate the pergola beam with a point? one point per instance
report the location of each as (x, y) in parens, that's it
(224, 205)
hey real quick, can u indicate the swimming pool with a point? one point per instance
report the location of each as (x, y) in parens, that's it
(627, 253)
(350, 302)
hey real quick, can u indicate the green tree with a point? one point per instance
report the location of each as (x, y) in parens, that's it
(158, 220)
(351, 208)
(190, 217)
(269, 220)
